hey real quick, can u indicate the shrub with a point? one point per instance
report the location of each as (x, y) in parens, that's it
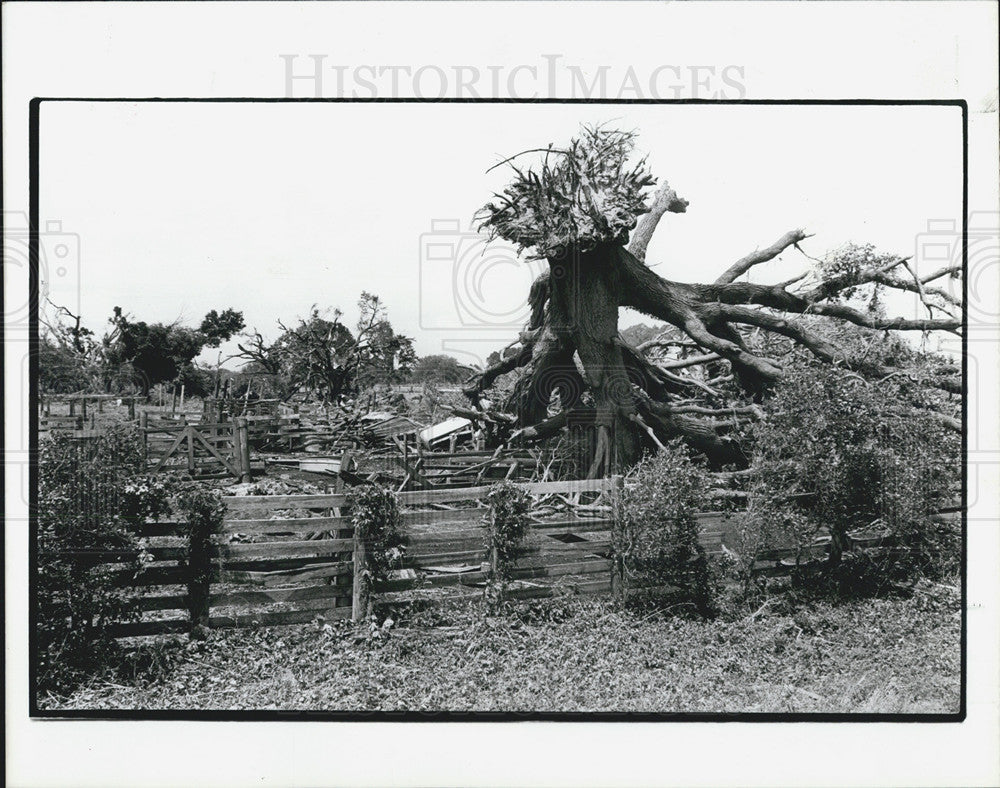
(506, 522)
(92, 498)
(203, 513)
(657, 535)
(835, 454)
(376, 519)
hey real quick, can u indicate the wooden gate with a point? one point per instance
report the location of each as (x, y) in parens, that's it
(202, 450)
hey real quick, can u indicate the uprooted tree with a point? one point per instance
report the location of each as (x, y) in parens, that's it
(584, 209)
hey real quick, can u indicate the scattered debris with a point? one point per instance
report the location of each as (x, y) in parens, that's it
(443, 431)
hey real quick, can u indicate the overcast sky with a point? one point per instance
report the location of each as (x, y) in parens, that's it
(270, 208)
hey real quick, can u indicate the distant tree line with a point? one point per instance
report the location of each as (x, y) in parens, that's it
(317, 356)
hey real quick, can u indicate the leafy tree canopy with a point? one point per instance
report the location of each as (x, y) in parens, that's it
(160, 352)
(439, 368)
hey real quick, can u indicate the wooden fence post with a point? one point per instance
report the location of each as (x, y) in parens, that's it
(199, 582)
(243, 447)
(361, 591)
(131, 409)
(143, 424)
(617, 539)
(494, 562)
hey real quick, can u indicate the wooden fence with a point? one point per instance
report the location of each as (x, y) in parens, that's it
(291, 433)
(78, 417)
(201, 450)
(289, 559)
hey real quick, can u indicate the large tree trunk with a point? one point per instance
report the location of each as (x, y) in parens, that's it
(584, 293)
(578, 324)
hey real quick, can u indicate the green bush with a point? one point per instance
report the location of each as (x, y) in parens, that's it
(92, 497)
(376, 519)
(506, 522)
(657, 535)
(203, 512)
(836, 454)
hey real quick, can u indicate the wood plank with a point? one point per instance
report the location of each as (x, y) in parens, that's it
(415, 561)
(550, 549)
(446, 541)
(948, 517)
(167, 553)
(229, 465)
(288, 525)
(173, 447)
(302, 616)
(150, 576)
(575, 523)
(172, 426)
(595, 566)
(309, 547)
(432, 516)
(433, 581)
(242, 568)
(140, 628)
(532, 488)
(540, 592)
(548, 561)
(573, 548)
(590, 567)
(315, 572)
(572, 486)
(579, 568)
(264, 575)
(93, 557)
(242, 503)
(163, 602)
(442, 495)
(281, 595)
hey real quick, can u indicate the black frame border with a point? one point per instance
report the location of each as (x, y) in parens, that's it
(34, 119)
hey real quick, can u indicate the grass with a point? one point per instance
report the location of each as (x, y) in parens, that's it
(876, 655)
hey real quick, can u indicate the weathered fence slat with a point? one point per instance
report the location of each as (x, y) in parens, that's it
(311, 547)
(303, 616)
